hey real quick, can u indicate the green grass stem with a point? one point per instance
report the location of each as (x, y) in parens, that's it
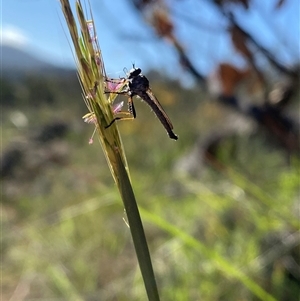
(91, 73)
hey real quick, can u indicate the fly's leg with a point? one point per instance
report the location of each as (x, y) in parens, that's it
(131, 108)
(116, 92)
(131, 114)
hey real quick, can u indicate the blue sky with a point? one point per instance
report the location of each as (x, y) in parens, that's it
(39, 27)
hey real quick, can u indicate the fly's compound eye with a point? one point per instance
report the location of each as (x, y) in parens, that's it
(134, 72)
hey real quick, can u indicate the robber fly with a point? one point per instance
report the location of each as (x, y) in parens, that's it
(138, 85)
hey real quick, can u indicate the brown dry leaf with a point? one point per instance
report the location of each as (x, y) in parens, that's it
(230, 77)
(239, 41)
(161, 22)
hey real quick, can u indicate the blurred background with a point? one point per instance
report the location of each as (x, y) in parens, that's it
(227, 74)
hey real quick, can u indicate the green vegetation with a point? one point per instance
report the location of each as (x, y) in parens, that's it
(225, 235)
(220, 206)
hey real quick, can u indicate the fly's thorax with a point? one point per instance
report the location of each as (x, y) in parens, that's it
(138, 84)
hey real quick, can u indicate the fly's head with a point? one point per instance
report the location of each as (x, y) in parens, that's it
(134, 72)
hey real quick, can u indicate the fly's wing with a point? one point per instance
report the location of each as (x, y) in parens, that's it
(153, 102)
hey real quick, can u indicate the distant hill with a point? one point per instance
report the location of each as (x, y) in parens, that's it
(16, 62)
